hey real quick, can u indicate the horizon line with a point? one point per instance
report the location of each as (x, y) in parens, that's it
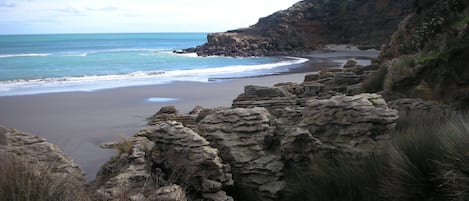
(70, 33)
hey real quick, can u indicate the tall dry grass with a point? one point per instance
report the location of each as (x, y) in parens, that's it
(23, 181)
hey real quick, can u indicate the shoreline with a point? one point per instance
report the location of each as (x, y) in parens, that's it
(78, 122)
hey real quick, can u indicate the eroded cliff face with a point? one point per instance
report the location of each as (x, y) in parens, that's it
(309, 25)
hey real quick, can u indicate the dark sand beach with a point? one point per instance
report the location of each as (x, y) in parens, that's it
(79, 121)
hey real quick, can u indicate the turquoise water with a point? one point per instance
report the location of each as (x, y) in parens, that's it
(33, 64)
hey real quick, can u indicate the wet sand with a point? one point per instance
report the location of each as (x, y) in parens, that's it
(79, 121)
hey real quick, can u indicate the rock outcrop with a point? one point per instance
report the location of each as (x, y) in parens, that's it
(310, 25)
(323, 85)
(129, 174)
(40, 154)
(170, 113)
(190, 159)
(243, 137)
(162, 160)
(352, 124)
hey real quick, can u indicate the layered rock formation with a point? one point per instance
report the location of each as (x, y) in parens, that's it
(242, 136)
(164, 162)
(309, 25)
(40, 154)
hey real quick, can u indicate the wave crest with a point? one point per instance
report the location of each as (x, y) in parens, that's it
(96, 82)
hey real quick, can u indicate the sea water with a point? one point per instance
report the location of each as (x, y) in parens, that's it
(34, 64)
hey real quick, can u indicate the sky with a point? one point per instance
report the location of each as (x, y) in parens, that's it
(130, 16)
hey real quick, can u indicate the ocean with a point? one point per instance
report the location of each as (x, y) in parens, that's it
(35, 64)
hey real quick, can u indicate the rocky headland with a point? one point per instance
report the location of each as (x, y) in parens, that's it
(311, 25)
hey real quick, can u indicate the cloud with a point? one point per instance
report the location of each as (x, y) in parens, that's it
(103, 9)
(70, 11)
(7, 5)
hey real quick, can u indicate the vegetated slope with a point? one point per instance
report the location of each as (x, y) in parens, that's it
(428, 56)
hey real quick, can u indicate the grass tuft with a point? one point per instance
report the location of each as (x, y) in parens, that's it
(428, 159)
(22, 181)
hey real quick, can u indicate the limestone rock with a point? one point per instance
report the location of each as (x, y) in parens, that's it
(351, 123)
(275, 99)
(128, 173)
(188, 156)
(168, 110)
(170, 113)
(242, 136)
(207, 111)
(299, 146)
(39, 152)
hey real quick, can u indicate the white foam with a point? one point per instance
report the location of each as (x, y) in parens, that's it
(188, 54)
(97, 82)
(24, 55)
(161, 100)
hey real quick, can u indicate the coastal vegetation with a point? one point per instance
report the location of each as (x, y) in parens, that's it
(21, 180)
(428, 159)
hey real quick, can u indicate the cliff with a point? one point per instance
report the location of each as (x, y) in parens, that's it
(310, 25)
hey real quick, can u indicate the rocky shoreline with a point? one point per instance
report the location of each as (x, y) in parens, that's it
(219, 154)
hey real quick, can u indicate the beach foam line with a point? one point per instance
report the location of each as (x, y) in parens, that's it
(24, 55)
(138, 78)
(235, 69)
(161, 100)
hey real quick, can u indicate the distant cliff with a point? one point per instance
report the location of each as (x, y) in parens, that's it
(310, 25)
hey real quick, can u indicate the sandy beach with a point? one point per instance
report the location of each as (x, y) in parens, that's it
(78, 122)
